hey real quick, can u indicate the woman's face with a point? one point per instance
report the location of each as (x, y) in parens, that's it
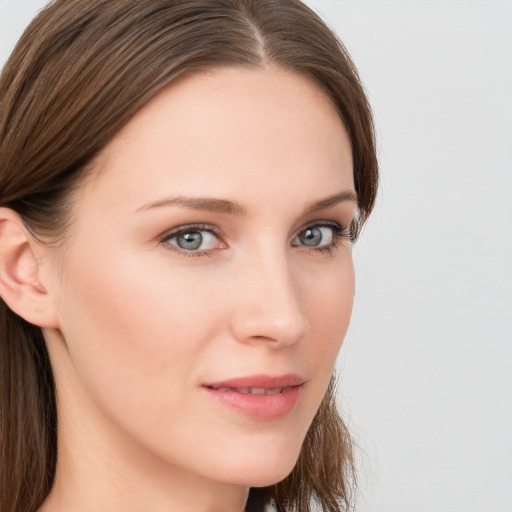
(207, 284)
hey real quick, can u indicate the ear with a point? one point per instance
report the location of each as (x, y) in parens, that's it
(21, 257)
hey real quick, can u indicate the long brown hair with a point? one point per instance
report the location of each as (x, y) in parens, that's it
(80, 71)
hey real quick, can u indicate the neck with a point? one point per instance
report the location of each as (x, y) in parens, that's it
(93, 475)
(101, 467)
(82, 486)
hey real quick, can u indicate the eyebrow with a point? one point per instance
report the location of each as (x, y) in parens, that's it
(199, 203)
(233, 208)
(329, 202)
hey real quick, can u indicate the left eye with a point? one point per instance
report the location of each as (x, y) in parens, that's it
(193, 240)
(316, 236)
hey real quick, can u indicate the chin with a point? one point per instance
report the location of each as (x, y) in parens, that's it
(263, 476)
(263, 467)
(270, 477)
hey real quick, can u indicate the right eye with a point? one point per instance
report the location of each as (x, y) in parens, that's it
(194, 240)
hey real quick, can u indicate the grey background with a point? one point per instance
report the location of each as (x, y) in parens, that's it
(426, 369)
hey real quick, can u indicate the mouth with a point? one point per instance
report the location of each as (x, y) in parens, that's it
(259, 397)
(252, 391)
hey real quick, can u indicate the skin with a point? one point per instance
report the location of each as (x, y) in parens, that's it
(136, 325)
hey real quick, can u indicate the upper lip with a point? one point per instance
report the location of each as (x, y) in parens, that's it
(259, 381)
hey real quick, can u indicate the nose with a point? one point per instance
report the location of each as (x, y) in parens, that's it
(268, 307)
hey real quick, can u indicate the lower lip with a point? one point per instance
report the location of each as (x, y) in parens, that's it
(262, 407)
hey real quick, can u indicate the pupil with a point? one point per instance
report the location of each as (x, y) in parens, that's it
(311, 237)
(190, 241)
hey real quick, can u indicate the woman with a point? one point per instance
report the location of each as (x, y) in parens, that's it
(180, 185)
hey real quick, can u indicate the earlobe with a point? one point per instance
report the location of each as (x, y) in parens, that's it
(20, 272)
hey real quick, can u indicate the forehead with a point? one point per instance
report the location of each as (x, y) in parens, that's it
(230, 128)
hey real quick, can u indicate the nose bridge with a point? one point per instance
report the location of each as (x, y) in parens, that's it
(270, 309)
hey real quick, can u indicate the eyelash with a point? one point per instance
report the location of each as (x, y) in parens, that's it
(189, 228)
(339, 233)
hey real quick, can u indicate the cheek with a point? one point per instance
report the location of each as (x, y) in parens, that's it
(329, 303)
(136, 340)
(145, 334)
(143, 322)
(328, 298)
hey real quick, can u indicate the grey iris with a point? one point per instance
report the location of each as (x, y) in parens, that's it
(311, 237)
(190, 241)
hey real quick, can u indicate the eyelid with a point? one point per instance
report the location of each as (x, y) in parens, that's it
(324, 222)
(340, 232)
(186, 228)
(336, 226)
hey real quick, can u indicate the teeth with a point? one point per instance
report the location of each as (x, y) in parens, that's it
(257, 391)
(274, 391)
(253, 391)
